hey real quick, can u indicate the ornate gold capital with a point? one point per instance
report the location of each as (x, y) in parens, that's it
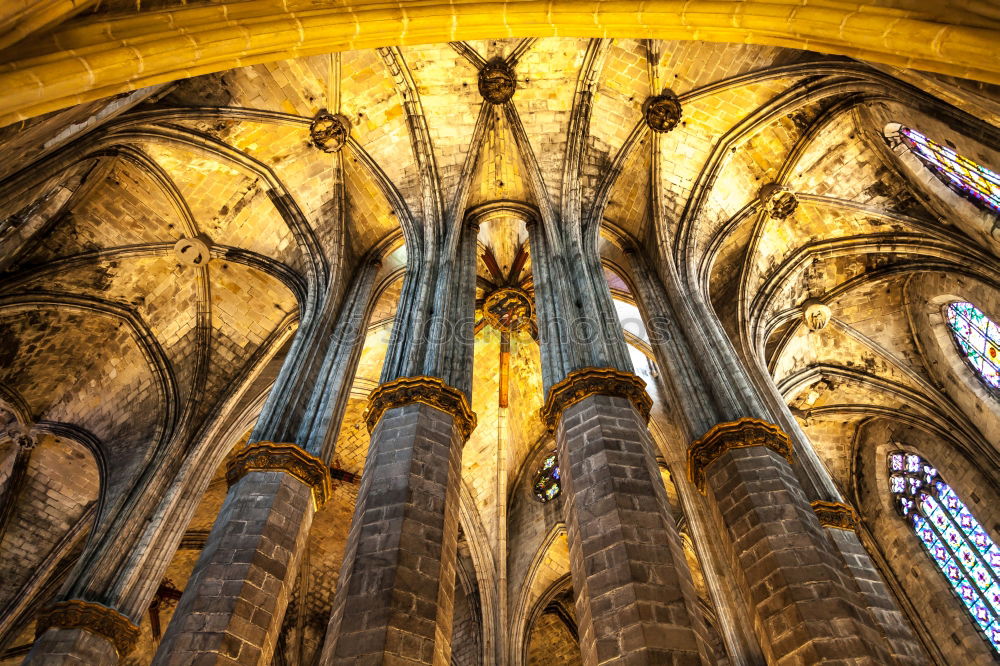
(288, 458)
(586, 382)
(430, 391)
(739, 434)
(95, 618)
(836, 515)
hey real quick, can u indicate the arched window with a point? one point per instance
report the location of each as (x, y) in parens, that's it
(547, 479)
(979, 340)
(960, 547)
(971, 180)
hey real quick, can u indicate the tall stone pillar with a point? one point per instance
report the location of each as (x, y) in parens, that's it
(634, 591)
(635, 599)
(394, 598)
(234, 602)
(841, 523)
(799, 588)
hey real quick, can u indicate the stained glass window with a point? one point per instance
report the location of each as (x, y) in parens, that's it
(978, 338)
(547, 479)
(955, 540)
(971, 180)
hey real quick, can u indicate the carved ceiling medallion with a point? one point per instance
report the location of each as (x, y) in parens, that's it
(496, 82)
(508, 310)
(778, 201)
(663, 112)
(329, 132)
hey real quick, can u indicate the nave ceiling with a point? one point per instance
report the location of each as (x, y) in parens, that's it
(117, 345)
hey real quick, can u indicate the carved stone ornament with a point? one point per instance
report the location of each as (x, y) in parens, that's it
(816, 314)
(288, 458)
(193, 251)
(95, 618)
(497, 82)
(662, 112)
(740, 434)
(430, 391)
(581, 384)
(329, 132)
(836, 515)
(508, 310)
(778, 201)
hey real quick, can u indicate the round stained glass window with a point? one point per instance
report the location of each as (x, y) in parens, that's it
(978, 338)
(547, 479)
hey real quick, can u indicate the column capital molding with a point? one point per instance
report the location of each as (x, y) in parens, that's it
(430, 391)
(836, 515)
(96, 618)
(739, 434)
(282, 457)
(583, 383)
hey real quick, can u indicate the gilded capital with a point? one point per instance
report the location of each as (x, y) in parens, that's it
(837, 515)
(586, 382)
(96, 618)
(288, 458)
(740, 434)
(430, 391)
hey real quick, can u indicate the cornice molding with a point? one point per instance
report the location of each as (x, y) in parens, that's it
(836, 515)
(739, 434)
(581, 384)
(96, 618)
(282, 457)
(430, 391)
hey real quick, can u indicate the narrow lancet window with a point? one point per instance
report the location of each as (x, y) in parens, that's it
(978, 338)
(955, 540)
(973, 181)
(547, 479)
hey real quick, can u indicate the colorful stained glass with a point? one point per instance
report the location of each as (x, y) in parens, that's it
(547, 479)
(971, 180)
(958, 544)
(978, 338)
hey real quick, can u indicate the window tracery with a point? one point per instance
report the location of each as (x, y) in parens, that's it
(547, 480)
(955, 540)
(973, 181)
(978, 338)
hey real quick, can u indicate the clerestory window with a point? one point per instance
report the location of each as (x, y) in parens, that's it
(547, 479)
(958, 544)
(978, 339)
(973, 181)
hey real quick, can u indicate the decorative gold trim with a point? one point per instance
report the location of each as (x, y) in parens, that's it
(837, 515)
(586, 382)
(98, 619)
(288, 458)
(739, 434)
(430, 391)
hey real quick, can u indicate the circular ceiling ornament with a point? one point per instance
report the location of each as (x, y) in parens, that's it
(193, 251)
(329, 132)
(497, 82)
(778, 200)
(662, 112)
(508, 310)
(816, 314)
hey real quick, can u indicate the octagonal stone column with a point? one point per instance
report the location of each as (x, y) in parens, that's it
(81, 633)
(841, 523)
(806, 607)
(394, 597)
(635, 598)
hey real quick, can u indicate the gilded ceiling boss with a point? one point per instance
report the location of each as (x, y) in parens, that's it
(499, 333)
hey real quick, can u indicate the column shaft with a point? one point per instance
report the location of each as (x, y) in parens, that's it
(72, 647)
(394, 598)
(797, 584)
(634, 595)
(234, 602)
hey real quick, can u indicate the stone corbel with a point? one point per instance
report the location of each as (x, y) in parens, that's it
(740, 434)
(279, 457)
(430, 391)
(836, 515)
(95, 618)
(581, 384)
